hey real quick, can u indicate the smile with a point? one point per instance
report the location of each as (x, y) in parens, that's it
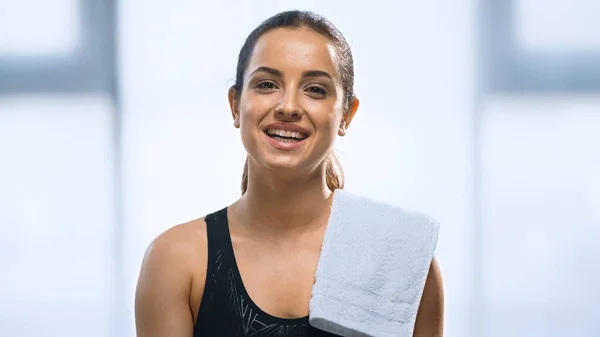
(286, 136)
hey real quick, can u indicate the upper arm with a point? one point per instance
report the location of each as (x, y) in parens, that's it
(162, 305)
(430, 317)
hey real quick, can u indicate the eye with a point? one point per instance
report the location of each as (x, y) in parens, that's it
(316, 90)
(266, 85)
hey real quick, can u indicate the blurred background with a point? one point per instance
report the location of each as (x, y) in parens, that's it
(114, 126)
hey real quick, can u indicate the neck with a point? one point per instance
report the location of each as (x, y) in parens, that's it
(283, 203)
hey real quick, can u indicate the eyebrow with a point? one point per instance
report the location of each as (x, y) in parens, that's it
(308, 73)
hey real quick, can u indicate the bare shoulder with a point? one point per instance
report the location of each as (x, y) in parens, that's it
(181, 239)
(434, 278)
(430, 316)
(173, 266)
(179, 248)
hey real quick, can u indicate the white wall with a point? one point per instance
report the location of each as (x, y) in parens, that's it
(183, 158)
(56, 216)
(541, 215)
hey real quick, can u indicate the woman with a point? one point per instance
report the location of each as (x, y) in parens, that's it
(248, 269)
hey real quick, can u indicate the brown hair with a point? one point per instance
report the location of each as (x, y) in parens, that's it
(319, 24)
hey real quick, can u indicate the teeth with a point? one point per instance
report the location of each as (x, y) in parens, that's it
(286, 134)
(286, 140)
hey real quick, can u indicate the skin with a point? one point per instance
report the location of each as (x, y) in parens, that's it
(277, 226)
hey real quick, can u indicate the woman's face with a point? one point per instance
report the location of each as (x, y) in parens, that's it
(290, 108)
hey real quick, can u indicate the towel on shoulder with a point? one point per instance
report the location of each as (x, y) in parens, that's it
(372, 269)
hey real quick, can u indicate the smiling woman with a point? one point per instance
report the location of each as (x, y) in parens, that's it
(249, 268)
(318, 58)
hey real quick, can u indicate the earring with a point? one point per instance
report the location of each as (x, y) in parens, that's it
(236, 120)
(342, 130)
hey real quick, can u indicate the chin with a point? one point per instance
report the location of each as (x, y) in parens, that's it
(281, 162)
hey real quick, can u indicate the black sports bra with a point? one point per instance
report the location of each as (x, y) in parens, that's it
(226, 309)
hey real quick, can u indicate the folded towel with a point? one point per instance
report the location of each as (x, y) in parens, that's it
(372, 269)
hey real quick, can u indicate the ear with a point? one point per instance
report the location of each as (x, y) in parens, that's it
(232, 96)
(348, 116)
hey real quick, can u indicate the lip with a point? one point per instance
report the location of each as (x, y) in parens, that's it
(286, 127)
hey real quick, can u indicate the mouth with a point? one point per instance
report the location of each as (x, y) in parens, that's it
(286, 136)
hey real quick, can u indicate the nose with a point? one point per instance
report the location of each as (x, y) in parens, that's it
(288, 107)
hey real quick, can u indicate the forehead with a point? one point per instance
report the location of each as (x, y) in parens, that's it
(296, 49)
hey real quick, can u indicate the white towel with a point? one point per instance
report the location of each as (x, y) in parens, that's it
(372, 269)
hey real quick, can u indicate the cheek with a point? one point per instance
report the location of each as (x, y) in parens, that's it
(248, 114)
(254, 108)
(248, 124)
(252, 112)
(327, 127)
(328, 120)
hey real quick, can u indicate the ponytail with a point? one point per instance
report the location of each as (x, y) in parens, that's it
(245, 177)
(334, 176)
